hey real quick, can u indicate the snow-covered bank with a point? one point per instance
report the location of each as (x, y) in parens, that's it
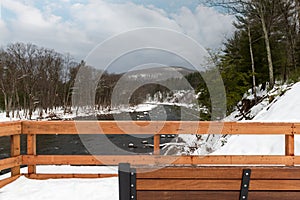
(285, 108)
(80, 112)
(62, 189)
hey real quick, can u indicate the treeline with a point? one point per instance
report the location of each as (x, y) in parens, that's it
(35, 77)
(264, 48)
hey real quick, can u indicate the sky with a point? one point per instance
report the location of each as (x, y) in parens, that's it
(78, 26)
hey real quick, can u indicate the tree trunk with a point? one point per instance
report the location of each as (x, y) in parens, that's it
(252, 63)
(6, 105)
(268, 48)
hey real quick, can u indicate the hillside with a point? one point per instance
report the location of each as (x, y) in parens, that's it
(284, 108)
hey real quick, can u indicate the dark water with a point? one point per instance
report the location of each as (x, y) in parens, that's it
(101, 144)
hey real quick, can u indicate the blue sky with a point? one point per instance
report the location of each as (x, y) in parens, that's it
(77, 26)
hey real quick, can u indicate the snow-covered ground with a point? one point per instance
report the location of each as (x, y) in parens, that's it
(285, 108)
(62, 189)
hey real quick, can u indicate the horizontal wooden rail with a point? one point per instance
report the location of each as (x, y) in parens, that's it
(59, 176)
(160, 160)
(10, 128)
(10, 162)
(9, 180)
(158, 127)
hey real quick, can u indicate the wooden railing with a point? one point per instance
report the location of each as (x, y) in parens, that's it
(34, 128)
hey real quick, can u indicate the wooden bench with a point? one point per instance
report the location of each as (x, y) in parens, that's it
(209, 183)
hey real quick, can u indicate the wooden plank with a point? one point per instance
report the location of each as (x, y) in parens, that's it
(284, 173)
(10, 162)
(154, 160)
(290, 147)
(60, 176)
(274, 195)
(7, 181)
(31, 150)
(279, 185)
(215, 195)
(187, 185)
(297, 128)
(187, 195)
(15, 151)
(156, 145)
(272, 128)
(10, 128)
(219, 185)
(153, 127)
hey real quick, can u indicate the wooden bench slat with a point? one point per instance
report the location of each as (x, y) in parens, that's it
(215, 195)
(187, 195)
(193, 185)
(187, 184)
(219, 173)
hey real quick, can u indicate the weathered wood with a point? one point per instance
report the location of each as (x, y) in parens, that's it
(10, 128)
(156, 144)
(7, 181)
(59, 176)
(157, 127)
(15, 151)
(214, 195)
(262, 173)
(31, 150)
(10, 162)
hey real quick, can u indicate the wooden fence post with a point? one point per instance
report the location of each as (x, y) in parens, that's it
(31, 150)
(156, 144)
(290, 144)
(15, 146)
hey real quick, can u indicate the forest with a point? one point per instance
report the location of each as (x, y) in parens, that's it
(263, 50)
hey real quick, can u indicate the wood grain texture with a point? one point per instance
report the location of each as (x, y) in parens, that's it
(9, 180)
(260, 173)
(215, 195)
(60, 176)
(155, 127)
(10, 162)
(219, 185)
(10, 128)
(187, 195)
(15, 150)
(154, 160)
(31, 150)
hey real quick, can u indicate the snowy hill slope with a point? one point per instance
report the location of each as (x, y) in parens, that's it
(285, 108)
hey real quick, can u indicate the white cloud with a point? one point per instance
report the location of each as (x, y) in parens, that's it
(87, 24)
(206, 25)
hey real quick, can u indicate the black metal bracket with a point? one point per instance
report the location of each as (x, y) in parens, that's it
(127, 182)
(245, 184)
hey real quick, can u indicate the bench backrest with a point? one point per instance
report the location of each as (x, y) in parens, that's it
(210, 183)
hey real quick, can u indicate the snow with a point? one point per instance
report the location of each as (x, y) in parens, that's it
(61, 189)
(285, 108)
